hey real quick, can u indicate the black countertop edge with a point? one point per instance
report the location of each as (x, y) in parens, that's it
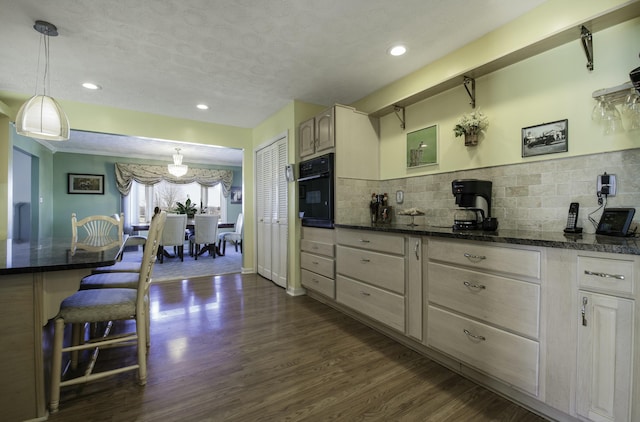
(60, 267)
(585, 242)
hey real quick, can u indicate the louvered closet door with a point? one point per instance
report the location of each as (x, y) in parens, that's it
(271, 210)
(263, 205)
(279, 222)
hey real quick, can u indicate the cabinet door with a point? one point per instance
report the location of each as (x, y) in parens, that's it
(325, 134)
(605, 338)
(307, 137)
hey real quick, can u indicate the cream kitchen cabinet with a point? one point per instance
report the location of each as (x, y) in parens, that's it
(317, 134)
(484, 309)
(379, 276)
(352, 135)
(317, 260)
(605, 337)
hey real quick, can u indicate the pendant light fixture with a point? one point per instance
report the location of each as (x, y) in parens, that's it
(177, 168)
(41, 117)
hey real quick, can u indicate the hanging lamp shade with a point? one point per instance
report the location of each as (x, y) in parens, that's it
(177, 168)
(41, 117)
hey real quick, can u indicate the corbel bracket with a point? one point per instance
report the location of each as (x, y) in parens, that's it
(587, 44)
(472, 92)
(397, 109)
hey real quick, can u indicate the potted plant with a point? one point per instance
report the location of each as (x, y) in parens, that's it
(186, 208)
(471, 125)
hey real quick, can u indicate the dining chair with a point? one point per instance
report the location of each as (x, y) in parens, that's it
(104, 305)
(96, 227)
(173, 235)
(206, 233)
(133, 239)
(235, 237)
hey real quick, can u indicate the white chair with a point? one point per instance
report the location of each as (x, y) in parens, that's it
(206, 233)
(95, 227)
(174, 235)
(133, 239)
(234, 237)
(103, 305)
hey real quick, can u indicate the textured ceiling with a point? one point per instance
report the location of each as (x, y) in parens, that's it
(246, 59)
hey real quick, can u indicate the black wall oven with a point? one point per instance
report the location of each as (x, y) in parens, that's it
(316, 187)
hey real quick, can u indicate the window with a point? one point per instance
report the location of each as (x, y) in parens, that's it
(144, 198)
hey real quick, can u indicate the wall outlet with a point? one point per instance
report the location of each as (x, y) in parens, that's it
(606, 184)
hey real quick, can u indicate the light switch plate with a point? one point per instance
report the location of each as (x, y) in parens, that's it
(399, 197)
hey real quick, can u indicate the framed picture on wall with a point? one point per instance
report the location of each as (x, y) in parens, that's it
(236, 195)
(422, 147)
(85, 183)
(547, 138)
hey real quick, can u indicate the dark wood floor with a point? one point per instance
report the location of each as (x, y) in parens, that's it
(238, 348)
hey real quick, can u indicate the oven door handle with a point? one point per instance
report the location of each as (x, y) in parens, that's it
(315, 176)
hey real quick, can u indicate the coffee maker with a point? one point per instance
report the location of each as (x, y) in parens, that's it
(474, 197)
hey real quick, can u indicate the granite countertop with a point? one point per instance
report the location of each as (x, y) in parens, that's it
(54, 254)
(586, 242)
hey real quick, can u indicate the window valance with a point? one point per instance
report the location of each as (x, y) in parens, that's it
(150, 175)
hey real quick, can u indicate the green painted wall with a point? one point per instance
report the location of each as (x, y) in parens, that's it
(65, 204)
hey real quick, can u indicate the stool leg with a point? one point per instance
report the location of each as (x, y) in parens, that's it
(56, 365)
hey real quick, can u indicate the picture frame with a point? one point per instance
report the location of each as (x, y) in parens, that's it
(422, 147)
(85, 184)
(236, 195)
(545, 138)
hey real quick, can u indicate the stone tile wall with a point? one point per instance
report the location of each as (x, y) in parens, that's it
(527, 196)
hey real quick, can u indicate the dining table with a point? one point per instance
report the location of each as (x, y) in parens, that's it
(212, 249)
(35, 277)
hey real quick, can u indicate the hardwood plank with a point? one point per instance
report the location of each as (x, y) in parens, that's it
(238, 348)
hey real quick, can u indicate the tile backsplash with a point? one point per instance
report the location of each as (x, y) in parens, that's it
(527, 196)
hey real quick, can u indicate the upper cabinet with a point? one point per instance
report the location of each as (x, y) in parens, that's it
(317, 134)
(352, 135)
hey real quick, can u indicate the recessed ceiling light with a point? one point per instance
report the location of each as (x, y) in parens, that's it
(397, 50)
(91, 86)
(203, 106)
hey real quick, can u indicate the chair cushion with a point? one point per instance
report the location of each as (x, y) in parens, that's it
(121, 267)
(135, 240)
(99, 305)
(110, 280)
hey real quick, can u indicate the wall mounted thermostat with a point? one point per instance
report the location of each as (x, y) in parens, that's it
(288, 173)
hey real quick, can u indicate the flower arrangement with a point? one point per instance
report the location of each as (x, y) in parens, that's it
(472, 123)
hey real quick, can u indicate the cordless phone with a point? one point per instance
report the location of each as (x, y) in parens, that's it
(572, 219)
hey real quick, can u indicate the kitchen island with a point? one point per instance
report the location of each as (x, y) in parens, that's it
(543, 318)
(34, 279)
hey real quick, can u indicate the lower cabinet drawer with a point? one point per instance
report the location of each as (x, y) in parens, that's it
(505, 356)
(371, 301)
(382, 270)
(505, 302)
(606, 274)
(317, 264)
(318, 283)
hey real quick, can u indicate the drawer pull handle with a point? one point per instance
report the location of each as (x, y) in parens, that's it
(315, 262)
(315, 281)
(365, 260)
(473, 336)
(474, 257)
(604, 275)
(417, 250)
(365, 293)
(474, 286)
(314, 247)
(365, 241)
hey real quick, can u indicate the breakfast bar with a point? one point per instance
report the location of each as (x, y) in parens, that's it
(34, 279)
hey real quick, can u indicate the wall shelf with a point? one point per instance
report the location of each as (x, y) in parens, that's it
(614, 17)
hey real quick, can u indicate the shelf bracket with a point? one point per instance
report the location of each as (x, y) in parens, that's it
(396, 110)
(587, 44)
(472, 93)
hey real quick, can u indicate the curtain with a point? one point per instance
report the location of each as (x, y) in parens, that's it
(150, 175)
